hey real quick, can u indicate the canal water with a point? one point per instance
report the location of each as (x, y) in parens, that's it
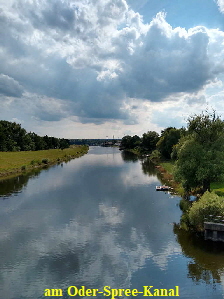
(98, 221)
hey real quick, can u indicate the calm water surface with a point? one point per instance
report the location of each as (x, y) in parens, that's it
(98, 221)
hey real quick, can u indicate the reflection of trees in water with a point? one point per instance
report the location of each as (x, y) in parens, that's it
(208, 257)
(129, 157)
(148, 167)
(16, 184)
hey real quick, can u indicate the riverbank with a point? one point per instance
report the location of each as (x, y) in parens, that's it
(166, 169)
(15, 163)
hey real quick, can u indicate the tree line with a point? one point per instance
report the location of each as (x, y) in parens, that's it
(15, 138)
(198, 150)
(92, 142)
(152, 141)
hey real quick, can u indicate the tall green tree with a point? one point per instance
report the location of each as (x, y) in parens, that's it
(15, 138)
(129, 142)
(200, 154)
(126, 141)
(169, 138)
(149, 140)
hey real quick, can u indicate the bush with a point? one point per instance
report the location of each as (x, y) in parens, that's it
(45, 161)
(36, 162)
(23, 167)
(209, 204)
(185, 205)
(155, 156)
(184, 222)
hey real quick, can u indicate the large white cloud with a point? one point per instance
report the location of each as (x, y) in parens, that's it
(168, 61)
(96, 55)
(221, 5)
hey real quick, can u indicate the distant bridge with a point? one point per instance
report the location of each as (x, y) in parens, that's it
(96, 142)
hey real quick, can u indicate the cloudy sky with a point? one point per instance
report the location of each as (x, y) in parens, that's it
(97, 68)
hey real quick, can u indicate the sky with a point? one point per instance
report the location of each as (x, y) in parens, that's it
(97, 68)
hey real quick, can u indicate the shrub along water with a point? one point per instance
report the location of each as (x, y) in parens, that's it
(209, 207)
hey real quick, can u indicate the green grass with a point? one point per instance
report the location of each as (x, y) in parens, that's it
(168, 166)
(168, 178)
(13, 162)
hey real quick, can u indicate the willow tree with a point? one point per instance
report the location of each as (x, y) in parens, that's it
(200, 154)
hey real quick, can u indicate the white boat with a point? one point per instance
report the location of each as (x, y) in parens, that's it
(162, 188)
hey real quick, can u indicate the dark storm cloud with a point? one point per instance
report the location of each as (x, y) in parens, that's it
(9, 87)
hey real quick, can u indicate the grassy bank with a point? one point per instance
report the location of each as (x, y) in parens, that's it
(13, 163)
(168, 166)
(167, 169)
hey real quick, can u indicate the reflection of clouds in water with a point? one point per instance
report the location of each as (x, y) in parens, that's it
(170, 250)
(135, 177)
(97, 157)
(104, 255)
(111, 214)
(91, 234)
(86, 253)
(61, 176)
(113, 159)
(58, 176)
